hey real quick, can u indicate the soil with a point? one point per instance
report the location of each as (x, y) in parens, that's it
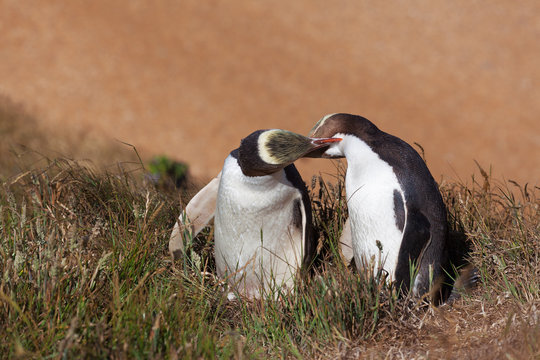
(190, 78)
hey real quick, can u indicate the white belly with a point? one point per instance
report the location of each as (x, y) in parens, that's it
(370, 198)
(255, 241)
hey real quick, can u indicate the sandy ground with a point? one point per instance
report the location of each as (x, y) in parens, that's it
(191, 78)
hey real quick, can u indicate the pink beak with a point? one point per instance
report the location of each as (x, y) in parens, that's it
(324, 141)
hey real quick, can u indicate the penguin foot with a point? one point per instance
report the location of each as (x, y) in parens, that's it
(467, 280)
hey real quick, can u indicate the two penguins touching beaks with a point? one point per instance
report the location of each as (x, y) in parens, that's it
(263, 230)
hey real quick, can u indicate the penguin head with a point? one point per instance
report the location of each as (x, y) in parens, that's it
(264, 152)
(342, 126)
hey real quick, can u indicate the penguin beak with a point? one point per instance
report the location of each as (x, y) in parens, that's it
(320, 145)
(318, 142)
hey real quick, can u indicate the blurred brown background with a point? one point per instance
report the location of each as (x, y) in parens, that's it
(191, 78)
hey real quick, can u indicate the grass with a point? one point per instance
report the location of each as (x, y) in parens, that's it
(85, 273)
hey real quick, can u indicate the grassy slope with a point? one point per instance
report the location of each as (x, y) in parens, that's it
(84, 271)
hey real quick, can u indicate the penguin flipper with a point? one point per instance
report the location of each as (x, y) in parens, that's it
(198, 212)
(303, 216)
(345, 243)
(415, 239)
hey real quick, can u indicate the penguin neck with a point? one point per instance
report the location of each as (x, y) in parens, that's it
(263, 180)
(356, 151)
(234, 171)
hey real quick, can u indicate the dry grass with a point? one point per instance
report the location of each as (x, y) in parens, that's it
(85, 273)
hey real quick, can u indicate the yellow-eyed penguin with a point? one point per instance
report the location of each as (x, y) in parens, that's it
(262, 212)
(394, 203)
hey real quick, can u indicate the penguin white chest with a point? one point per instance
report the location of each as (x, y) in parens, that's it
(257, 237)
(371, 187)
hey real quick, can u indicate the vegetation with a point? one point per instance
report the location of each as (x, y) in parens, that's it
(167, 173)
(85, 272)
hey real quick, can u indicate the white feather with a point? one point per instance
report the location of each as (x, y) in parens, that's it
(370, 183)
(255, 240)
(197, 214)
(346, 242)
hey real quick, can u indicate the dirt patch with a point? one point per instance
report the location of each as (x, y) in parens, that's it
(190, 79)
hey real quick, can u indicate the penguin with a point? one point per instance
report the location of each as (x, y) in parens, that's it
(396, 212)
(262, 213)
